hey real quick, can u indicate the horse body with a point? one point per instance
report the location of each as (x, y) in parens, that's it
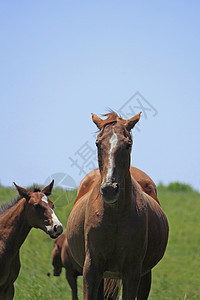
(91, 218)
(115, 226)
(91, 183)
(32, 209)
(61, 255)
(116, 230)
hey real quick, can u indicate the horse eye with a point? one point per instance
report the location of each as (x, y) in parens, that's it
(53, 206)
(97, 143)
(128, 145)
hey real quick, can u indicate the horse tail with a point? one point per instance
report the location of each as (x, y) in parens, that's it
(112, 289)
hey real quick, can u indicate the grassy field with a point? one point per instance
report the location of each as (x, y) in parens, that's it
(176, 277)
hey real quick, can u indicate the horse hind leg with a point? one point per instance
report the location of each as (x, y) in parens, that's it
(144, 287)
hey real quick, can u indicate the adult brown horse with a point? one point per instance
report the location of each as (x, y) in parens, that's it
(31, 209)
(116, 230)
(61, 256)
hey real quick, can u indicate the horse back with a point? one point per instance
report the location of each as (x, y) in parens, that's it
(146, 183)
(87, 183)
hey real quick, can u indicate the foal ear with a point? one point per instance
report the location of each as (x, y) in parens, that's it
(131, 122)
(22, 192)
(98, 121)
(48, 189)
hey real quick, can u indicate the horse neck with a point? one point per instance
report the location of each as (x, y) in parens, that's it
(14, 227)
(126, 198)
(126, 189)
(131, 196)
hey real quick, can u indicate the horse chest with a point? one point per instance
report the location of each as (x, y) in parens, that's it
(114, 238)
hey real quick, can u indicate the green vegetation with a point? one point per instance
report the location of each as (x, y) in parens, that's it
(176, 277)
(176, 187)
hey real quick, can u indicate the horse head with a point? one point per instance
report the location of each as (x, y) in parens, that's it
(39, 211)
(114, 143)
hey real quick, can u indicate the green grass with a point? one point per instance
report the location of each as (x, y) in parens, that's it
(176, 277)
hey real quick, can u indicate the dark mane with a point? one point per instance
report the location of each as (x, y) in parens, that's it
(112, 117)
(7, 205)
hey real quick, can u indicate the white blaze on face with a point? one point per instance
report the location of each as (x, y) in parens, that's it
(45, 199)
(113, 143)
(55, 221)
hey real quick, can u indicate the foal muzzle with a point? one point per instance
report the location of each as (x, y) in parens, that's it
(55, 231)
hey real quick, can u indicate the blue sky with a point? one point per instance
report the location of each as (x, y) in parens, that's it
(61, 61)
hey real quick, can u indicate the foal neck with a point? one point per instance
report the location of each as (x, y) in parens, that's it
(13, 226)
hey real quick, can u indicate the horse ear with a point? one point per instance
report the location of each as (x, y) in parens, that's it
(22, 192)
(48, 189)
(98, 121)
(131, 122)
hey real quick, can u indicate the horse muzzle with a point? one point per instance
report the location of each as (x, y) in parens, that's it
(110, 192)
(57, 271)
(55, 231)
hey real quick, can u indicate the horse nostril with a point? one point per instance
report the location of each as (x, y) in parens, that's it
(116, 187)
(55, 228)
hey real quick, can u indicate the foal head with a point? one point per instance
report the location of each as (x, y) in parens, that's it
(39, 210)
(114, 144)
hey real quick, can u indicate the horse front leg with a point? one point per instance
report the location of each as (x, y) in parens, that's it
(92, 280)
(7, 293)
(11, 292)
(72, 280)
(144, 287)
(131, 282)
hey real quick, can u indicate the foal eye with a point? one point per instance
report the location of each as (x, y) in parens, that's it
(46, 222)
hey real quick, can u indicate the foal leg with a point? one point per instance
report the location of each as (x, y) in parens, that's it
(144, 287)
(72, 280)
(92, 281)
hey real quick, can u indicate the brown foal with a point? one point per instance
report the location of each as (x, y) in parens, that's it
(31, 209)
